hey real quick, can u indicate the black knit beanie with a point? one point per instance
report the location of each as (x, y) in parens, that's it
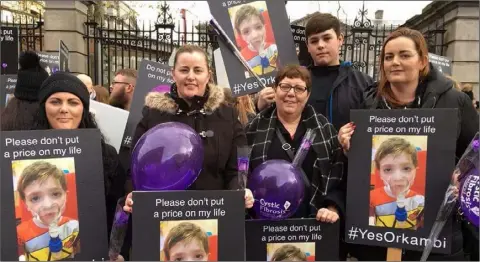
(30, 76)
(64, 82)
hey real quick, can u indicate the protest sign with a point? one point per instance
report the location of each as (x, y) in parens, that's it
(300, 39)
(41, 221)
(64, 57)
(291, 240)
(7, 85)
(152, 77)
(10, 46)
(442, 63)
(213, 221)
(49, 62)
(112, 130)
(261, 32)
(400, 164)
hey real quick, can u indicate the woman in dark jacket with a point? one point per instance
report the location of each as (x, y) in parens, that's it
(286, 122)
(20, 111)
(196, 102)
(64, 104)
(407, 80)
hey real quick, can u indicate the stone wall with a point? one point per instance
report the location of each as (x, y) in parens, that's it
(460, 20)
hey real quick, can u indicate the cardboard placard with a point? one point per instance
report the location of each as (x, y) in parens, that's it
(7, 85)
(64, 57)
(214, 221)
(10, 46)
(50, 62)
(112, 130)
(400, 164)
(152, 76)
(300, 39)
(265, 41)
(442, 63)
(291, 240)
(53, 185)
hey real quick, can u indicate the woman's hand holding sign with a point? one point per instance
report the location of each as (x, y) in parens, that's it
(128, 203)
(345, 134)
(329, 215)
(265, 98)
(248, 198)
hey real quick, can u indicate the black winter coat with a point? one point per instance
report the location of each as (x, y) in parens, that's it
(436, 91)
(439, 92)
(209, 112)
(347, 93)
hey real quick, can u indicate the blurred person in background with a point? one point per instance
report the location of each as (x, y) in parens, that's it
(101, 94)
(243, 104)
(20, 112)
(122, 87)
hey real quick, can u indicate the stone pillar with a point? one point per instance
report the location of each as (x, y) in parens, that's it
(64, 20)
(462, 41)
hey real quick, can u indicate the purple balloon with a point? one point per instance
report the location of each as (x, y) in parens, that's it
(278, 189)
(469, 194)
(4, 65)
(161, 89)
(169, 156)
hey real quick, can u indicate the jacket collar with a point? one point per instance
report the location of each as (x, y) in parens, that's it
(171, 103)
(435, 84)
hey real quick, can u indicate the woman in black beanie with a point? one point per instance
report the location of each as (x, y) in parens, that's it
(64, 104)
(20, 112)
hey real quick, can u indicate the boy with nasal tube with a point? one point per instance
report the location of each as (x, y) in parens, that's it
(49, 235)
(395, 205)
(261, 55)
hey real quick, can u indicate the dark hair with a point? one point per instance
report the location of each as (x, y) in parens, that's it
(384, 89)
(88, 121)
(191, 49)
(245, 12)
(294, 71)
(19, 115)
(321, 22)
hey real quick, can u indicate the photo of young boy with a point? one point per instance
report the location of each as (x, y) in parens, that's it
(393, 202)
(48, 235)
(254, 38)
(188, 241)
(291, 251)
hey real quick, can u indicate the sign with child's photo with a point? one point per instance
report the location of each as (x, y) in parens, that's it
(153, 80)
(7, 85)
(10, 46)
(52, 186)
(49, 61)
(189, 225)
(291, 240)
(261, 32)
(400, 164)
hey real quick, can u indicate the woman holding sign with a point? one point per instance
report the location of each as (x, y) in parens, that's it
(408, 80)
(64, 104)
(277, 132)
(193, 100)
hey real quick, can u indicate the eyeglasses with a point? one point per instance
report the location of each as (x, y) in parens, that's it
(114, 83)
(297, 89)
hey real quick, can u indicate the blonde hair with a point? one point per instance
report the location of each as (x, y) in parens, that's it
(39, 171)
(243, 104)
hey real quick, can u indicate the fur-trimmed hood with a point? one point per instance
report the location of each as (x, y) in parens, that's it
(164, 102)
